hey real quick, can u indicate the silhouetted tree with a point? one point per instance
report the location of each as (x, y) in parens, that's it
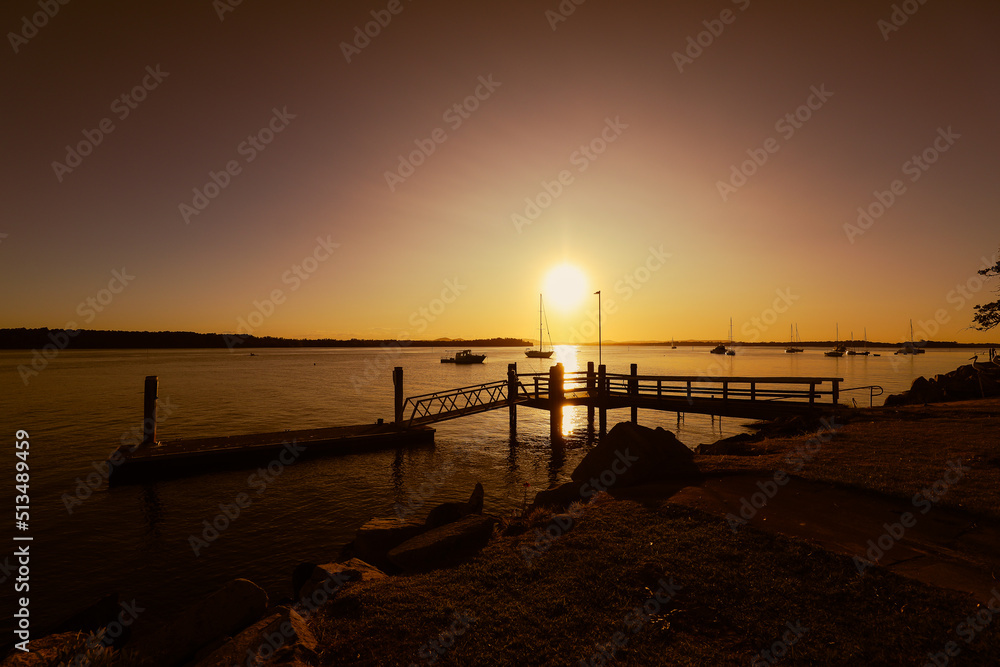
(988, 315)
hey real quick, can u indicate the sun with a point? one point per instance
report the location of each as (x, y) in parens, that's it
(565, 287)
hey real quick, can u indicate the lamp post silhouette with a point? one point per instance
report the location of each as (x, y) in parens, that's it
(599, 337)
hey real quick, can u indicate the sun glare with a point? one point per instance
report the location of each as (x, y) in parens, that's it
(565, 287)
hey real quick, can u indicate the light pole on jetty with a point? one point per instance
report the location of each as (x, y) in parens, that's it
(599, 337)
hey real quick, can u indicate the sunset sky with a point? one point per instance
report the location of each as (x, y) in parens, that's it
(696, 161)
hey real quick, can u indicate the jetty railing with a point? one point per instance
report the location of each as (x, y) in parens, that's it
(454, 403)
(807, 389)
(872, 388)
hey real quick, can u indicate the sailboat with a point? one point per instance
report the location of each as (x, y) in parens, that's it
(860, 353)
(731, 351)
(791, 349)
(539, 353)
(910, 347)
(673, 346)
(838, 349)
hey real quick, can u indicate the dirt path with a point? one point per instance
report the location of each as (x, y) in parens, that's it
(935, 545)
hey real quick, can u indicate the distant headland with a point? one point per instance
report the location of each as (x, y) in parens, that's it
(87, 339)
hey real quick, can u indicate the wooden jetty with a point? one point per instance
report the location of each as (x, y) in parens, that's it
(152, 459)
(724, 396)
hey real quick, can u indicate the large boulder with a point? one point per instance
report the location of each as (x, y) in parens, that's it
(380, 535)
(451, 512)
(325, 581)
(559, 496)
(631, 454)
(224, 613)
(444, 546)
(280, 635)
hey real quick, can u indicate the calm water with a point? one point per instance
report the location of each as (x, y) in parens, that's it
(135, 539)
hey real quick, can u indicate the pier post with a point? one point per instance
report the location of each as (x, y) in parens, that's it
(633, 390)
(602, 398)
(512, 395)
(590, 394)
(397, 386)
(555, 401)
(836, 391)
(149, 411)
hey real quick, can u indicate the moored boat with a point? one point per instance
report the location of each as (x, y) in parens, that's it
(464, 357)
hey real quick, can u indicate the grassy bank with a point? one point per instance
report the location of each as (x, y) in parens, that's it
(729, 597)
(897, 452)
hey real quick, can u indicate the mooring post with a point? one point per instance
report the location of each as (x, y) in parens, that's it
(591, 378)
(633, 390)
(555, 400)
(149, 411)
(602, 397)
(836, 391)
(397, 386)
(512, 395)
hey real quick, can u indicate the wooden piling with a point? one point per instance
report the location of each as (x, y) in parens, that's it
(149, 411)
(602, 396)
(633, 389)
(397, 385)
(555, 401)
(512, 395)
(591, 379)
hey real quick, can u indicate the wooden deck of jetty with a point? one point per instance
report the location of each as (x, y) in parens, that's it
(600, 391)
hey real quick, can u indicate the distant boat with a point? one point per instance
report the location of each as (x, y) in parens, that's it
(464, 357)
(718, 349)
(672, 345)
(910, 347)
(539, 353)
(791, 349)
(731, 352)
(838, 349)
(860, 353)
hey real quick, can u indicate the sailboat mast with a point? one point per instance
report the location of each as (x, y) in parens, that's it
(539, 322)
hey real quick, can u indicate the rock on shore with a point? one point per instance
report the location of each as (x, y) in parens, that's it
(964, 383)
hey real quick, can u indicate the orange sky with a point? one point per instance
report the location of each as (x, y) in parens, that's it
(697, 161)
